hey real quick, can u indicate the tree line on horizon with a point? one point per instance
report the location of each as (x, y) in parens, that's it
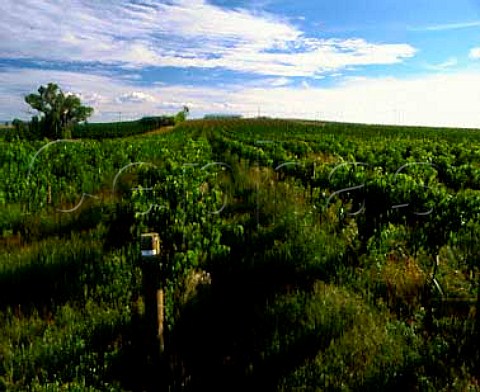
(59, 113)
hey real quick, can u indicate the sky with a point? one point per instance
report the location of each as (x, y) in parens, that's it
(412, 62)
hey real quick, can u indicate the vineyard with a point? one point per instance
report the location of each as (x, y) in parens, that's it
(340, 257)
(97, 131)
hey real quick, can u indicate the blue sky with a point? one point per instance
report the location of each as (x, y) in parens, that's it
(409, 62)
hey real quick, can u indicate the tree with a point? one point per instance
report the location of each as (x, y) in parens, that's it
(182, 115)
(20, 128)
(59, 112)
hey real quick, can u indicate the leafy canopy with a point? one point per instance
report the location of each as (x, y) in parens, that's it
(59, 112)
(182, 115)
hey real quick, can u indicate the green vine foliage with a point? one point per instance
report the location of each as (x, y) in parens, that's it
(294, 255)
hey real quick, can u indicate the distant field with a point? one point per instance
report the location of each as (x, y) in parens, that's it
(109, 130)
(120, 129)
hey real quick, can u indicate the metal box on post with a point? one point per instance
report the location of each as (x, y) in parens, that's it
(153, 294)
(150, 245)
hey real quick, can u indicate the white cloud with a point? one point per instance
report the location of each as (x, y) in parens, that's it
(89, 99)
(305, 84)
(449, 63)
(437, 100)
(135, 97)
(171, 105)
(279, 82)
(109, 97)
(474, 53)
(178, 33)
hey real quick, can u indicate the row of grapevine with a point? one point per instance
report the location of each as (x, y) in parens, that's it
(319, 239)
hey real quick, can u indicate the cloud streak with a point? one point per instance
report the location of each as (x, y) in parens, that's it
(135, 97)
(178, 33)
(474, 53)
(447, 26)
(443, 66)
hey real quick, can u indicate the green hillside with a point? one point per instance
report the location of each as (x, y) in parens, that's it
(295, 255)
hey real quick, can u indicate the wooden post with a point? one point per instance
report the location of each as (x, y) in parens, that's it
(477, 317)
(153, 294)
(160, 318)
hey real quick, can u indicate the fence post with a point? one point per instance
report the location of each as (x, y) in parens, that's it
(153, 294)
(160, 318)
